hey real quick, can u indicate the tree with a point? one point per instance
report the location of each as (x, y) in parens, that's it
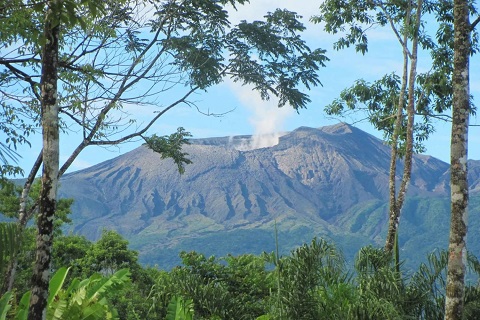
(457, 253)
(127, 57)
(12, 115)
(71, 251)
(394, 102)
(307, 281)
(233, 287)
(110, 254)
(385, 100)
(50, 157)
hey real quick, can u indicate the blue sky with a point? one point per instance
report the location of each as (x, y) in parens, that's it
(246, 113)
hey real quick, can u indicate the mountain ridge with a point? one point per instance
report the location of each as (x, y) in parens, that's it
(314, 181)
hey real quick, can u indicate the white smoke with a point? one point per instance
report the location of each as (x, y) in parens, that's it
(266, 118)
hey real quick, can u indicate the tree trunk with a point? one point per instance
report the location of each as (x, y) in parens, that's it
(458, 163)
(24, 216)
(393, 213)
(396, 201)
(48, 194)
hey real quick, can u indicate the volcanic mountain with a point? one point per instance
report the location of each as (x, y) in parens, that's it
(329, 182)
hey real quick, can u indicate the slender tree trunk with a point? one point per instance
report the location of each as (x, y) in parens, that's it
(24, 214)
(23, 217)
(396, 202)
(48, 194)
(458, 163)
(393, 212)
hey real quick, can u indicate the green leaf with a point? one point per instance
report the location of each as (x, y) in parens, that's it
(22, 310)
(118, 278)
(56, 283)
(122, 275)
(5, 305)
(79, 296)
(74, 285)
(10, 242)
(171, 147)
(60, 307)
(179, 309)
(92, 6)
(82, 23)
(94, 311)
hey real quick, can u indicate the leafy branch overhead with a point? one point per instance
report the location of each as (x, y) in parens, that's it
(108, 62)
(171, 147)
(378, 101)
(82, 66)
(270, 55)
(353, 20)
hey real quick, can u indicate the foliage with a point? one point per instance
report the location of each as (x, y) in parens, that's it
(353, 19)
(71, 251)
(10, 243)
(10, 206)
(88, 297)
(315, 283)
(428, 285)
(379, 285)
(85, 299)
(228, 288)
(5, 305)
(171, 147)
(116, 54)
(110, 254)
(108, 55)
(9, 193)
(26, 256)
(106, 256)
(379, 101)
(180, 309)
(16, 130)
(375, 291)
(302, 275)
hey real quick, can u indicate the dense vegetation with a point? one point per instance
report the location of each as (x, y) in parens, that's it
(68, 64)
(361, 225)
(312, 282)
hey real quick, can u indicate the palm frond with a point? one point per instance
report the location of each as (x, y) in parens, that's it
(7, 153)
(9, 242)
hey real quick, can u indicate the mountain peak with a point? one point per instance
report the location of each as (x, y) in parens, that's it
(339, 128)
(313, 177)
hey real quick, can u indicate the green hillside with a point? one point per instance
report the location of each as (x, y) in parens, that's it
(424, 228)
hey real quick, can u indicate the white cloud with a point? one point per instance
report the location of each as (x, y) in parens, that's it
(266, 117)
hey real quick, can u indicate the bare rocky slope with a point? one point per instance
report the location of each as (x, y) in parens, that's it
(330, 182)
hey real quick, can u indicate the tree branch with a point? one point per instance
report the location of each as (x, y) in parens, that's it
(397, 34)
(23, 215)
(25, 77)
(474, 23)
(145, 129)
